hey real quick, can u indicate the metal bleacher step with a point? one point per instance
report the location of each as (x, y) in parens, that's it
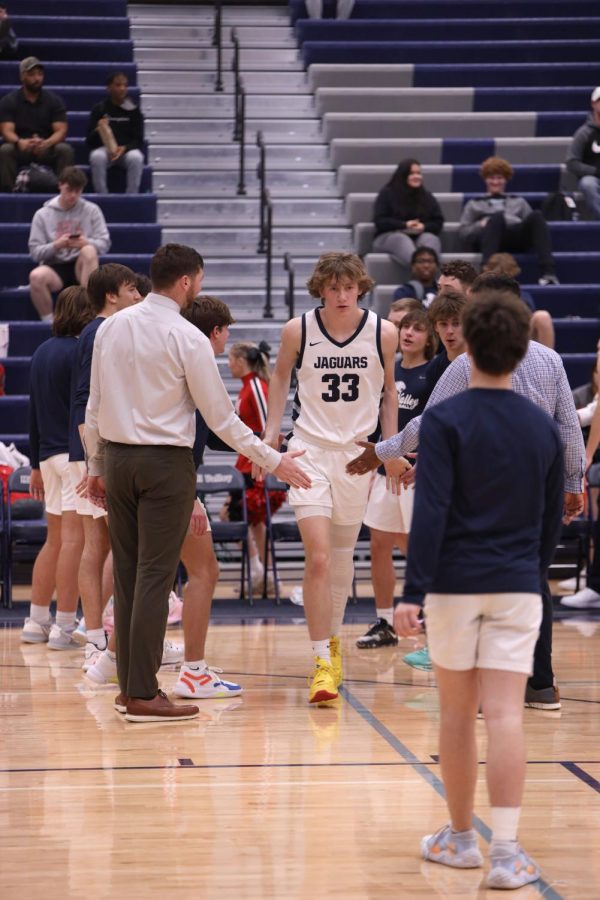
(154, 35)
(186, 82)
(216, 156)
(205, 57)
(209, 184)
(211, 130)
(223, 241)
(219, 212)
(219, 106)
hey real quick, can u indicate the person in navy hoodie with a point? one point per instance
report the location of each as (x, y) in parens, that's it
(58, 561)
(484, 531)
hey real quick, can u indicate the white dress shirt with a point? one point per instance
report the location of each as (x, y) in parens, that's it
(151, 368)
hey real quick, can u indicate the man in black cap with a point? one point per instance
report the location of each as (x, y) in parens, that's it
(33, 124)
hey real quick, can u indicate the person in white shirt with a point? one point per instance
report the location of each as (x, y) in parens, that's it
(151, 369)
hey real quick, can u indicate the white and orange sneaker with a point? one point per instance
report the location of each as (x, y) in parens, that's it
(203, 684)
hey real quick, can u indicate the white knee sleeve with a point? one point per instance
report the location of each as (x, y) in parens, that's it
(343, 541)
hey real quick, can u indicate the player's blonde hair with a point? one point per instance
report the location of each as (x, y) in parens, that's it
(333, 266)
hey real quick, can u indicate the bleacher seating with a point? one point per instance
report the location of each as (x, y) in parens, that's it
(79, 44)
(452, 82)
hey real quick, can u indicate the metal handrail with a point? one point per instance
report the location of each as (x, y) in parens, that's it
(241, 188)
(268, 310)
(288, 265)
(235, 65)
(261, 172)
(217, 42)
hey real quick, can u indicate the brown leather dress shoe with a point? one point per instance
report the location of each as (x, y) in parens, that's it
(121, 703)
(159, 709)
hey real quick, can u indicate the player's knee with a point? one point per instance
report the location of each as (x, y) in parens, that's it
(318, 563)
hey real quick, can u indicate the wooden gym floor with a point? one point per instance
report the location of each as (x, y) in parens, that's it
(264, 797)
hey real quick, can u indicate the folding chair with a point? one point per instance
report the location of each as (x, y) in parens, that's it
(576, 537)
(212, 480)
(26, 527)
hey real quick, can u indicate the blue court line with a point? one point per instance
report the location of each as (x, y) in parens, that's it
(544, 888)
(584, 776)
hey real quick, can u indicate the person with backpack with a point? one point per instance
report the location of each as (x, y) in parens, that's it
(501, 222)
(33, 125)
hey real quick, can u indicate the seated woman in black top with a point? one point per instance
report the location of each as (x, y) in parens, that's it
(406, 215)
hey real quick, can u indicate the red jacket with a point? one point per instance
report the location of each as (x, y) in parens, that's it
(251, 407)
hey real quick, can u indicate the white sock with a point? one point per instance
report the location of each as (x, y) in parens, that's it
(256, 567)
(387, 614)
(505, 823)
(65, 620)
(97, 636)
(39, 614)
(469, 833)
(321, 649)
(196, 664)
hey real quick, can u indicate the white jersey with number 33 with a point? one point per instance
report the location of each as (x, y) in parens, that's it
(339, 384)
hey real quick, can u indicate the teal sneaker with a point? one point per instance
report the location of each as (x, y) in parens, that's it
(511, 871)
(419, 659)
(452, 848)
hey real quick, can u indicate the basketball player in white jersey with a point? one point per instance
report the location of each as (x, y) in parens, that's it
(344, 360)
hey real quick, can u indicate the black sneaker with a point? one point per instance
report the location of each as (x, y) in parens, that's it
(380, 634)
(544, 698)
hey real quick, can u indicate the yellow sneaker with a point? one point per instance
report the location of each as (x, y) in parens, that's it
(335, 648)
(322, 683)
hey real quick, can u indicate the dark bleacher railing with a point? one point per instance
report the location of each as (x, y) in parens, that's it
(239, 122)
(290, 290)
(261, 173)
(268, 310)
(218, 43)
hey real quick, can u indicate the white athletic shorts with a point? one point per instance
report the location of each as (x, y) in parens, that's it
(58, 490)
(84, 507)
(345, 496)
(483, 631)
(387, 511)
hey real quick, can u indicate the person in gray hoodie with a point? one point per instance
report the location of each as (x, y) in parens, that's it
(67, 236)
(583, 156)
(500, 222)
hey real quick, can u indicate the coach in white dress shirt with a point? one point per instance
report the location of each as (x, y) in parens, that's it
(150, 370)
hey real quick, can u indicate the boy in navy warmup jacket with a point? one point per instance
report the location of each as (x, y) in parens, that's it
(484, 530)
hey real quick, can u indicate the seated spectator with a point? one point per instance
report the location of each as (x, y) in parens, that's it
(8, 38)
(67, 236)
(406, 215)
(127, 125)
(583, 157)
(343, 9)
(542, 327)
(33, 124)
(586, 393)
(457, 275)
(500, 221)
(422, 286)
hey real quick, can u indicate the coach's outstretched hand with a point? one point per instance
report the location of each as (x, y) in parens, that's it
(291, 472)
(366, 462)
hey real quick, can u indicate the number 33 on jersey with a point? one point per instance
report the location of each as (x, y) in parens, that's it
(339, 384)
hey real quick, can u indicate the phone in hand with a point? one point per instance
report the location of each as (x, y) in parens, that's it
(73, 237)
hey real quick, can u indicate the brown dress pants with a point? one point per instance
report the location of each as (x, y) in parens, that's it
(150, 492)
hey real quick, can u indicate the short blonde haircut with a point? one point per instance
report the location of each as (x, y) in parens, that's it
(333, 266)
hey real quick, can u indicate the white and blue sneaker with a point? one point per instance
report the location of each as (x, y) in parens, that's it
(452, 848)
(511, 871)
(80, 633)
(62, 639)
(202, 684)
(36, 632)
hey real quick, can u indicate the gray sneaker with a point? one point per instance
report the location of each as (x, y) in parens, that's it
(36, 632)
(513, 871)
(450, 848)
(62, 639)
(544, 698)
